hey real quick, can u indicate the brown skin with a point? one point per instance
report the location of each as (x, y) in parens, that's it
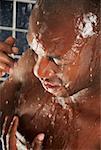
(75, 127)
(82, 117)
(11, 142)
(13, 85)
(7, 47)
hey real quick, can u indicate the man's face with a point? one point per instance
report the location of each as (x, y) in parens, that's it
(62, 63)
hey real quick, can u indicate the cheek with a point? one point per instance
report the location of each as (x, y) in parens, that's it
(71, 73)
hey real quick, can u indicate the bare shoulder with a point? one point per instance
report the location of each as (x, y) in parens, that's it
(21, 77)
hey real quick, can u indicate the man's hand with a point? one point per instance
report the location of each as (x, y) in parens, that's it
(10, 138)
(6, 48)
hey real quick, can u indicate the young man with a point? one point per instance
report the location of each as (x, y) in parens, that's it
(65, 38)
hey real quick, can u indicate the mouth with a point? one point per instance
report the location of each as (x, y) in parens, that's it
(49, 85)
(55, 89)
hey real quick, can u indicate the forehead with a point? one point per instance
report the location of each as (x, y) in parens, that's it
(55, 38)
(56, 45)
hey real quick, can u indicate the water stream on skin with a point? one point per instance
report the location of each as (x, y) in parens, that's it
(86, 30)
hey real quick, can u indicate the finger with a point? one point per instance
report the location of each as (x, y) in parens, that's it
(15, 50)
(4, 125)
(4, 67)
(6, 59)
(12, 134)
(4, 131)
(10, 41)
(37, 142)
(4, 47)
(13, 126)
(2, 73)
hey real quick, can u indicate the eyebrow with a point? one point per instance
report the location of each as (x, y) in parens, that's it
(54, 56)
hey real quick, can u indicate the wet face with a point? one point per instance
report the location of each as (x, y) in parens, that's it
(63, 62)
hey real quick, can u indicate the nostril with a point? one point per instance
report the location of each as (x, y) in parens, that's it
(42, 79)
(47, 80)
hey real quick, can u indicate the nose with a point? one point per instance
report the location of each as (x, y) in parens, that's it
(43, 68)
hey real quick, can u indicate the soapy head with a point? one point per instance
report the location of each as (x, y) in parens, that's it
(64, 38)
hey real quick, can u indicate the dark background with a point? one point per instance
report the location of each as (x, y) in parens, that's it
(23, 11)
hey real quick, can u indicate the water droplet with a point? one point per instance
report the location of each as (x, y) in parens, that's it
(64, 117)
(67, 85)
(91, 78)
(70, 113)
(52, 123)
(37, 22)
(74, 63)
(50, 74)
(92, 96)
(53, 99)
(78, 130)
(35, 126)
(38, 98)
(43, 12)
(50, 115)
(44, 116)
(44, 109)
(91, 69)
(91, 75)
(7, 102)
(39, 105)
(51, 139)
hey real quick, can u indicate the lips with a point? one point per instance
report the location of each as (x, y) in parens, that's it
(51, 85)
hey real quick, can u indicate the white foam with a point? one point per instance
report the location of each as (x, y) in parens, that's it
(37, 47)
(86, 27)
(79, 95)
(61, 101)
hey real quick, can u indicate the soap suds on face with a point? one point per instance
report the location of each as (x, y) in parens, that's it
(86, 26)
(61, 101)
(79, 95)
(37, 47)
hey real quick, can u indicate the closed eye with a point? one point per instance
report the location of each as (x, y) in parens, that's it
(55, 59)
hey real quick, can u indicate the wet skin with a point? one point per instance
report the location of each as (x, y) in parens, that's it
(72, 123)
(61, 70)
(6, 48)
(62, 127)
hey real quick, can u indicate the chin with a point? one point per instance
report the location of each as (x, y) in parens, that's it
(60, 92)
